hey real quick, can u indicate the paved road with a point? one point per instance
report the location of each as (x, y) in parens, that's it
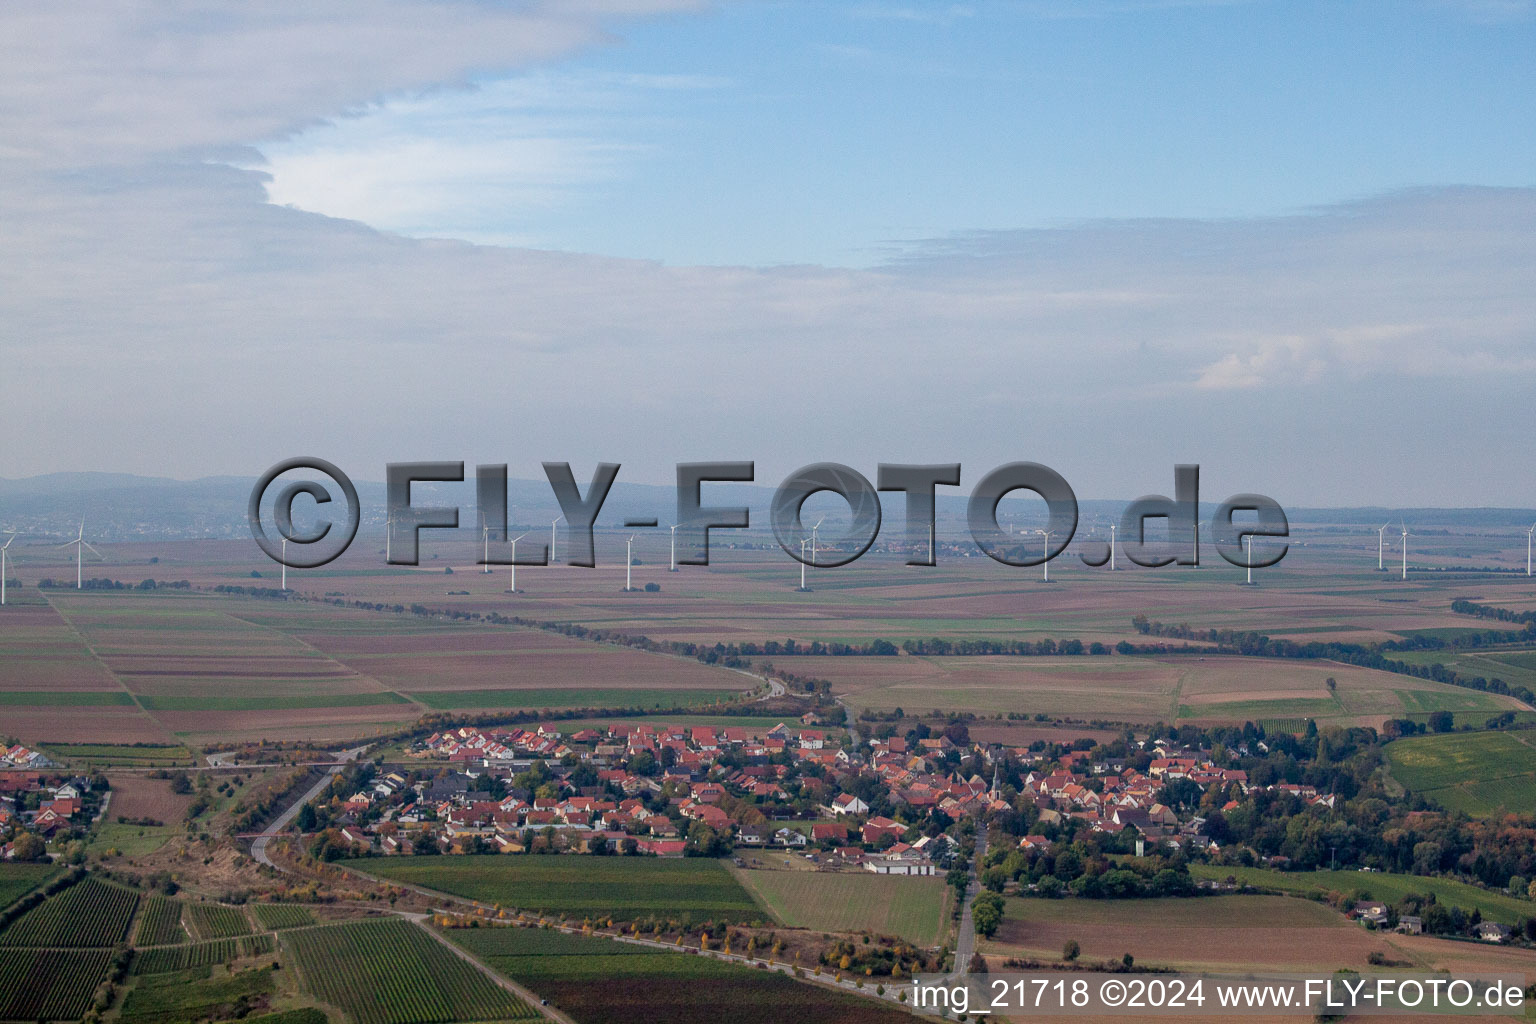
(965, 944)
(259, 844)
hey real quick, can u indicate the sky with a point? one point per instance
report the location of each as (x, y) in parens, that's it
(1293, 242)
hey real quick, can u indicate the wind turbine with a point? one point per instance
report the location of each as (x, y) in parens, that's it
(552, 538)
(629, 562)
(1046, 565)
(673, 566)
(1379, 535)
(1527, 548)
(3, 572)
(813, 536)
(81, 544)
(519, 537)
(1405, 550)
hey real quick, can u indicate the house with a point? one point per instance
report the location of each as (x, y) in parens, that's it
(1492, 931)
(847, 803)
(1410, 925)
(900, 859)
(752, 835)
(789, 837)
(829, 833)
(1371, 913)
(880, 828)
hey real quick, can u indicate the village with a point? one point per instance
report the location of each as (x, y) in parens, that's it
(888, 805)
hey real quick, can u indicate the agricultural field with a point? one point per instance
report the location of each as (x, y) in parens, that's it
(100, 673)
(1218, 932)
(170, 959)
(394, 972)
(1141, 688)
(136, 796)
(137, 755)
(199, 994)
(915, 909)
(16, 880)
(456, 700)
(89, 913)
(1482, 773)
(216, 921)
(1494, 906)
(159, 923)
(49, 984)
(600, 981)
(275, 916)
(625, 888)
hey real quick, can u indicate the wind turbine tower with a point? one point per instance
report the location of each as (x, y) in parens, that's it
(629, 562)
(1380, 567)
(1249, 539)
(3, 571)
(513, 566)
(552, 538)
(81, 544)
(673, 566)
(1405, 550)
(1046, 565)
(1527, 548)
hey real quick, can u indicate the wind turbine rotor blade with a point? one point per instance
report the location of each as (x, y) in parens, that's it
(93, 551)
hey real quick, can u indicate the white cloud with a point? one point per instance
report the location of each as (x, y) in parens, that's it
(482, 164)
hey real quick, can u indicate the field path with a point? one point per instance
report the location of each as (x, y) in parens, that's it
(534, 1001)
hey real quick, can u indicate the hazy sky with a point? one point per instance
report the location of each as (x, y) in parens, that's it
(1294, 242)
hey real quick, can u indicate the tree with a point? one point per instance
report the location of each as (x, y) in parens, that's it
(1441, 721)
(1070, 950)
(306, 818)
(1333, 684)
(987, 913)
(29, 847)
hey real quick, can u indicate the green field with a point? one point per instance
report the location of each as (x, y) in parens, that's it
(49, 984)
(1479, 772)
(89, 913)
(273, 703)
(283, 915)
(621, 887)
(1495, 906)
(446, 700)
(913, 908)
(160, 923)
(600, 981)
(130, 755)
(63, 698)
(133, 840)
(193, 995)
(393, 972)
(16, 880)
(215, 921)
(168, 959)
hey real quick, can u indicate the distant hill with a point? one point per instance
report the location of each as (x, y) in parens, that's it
(123, 507)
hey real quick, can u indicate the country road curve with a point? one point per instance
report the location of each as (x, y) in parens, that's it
(259, 844)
